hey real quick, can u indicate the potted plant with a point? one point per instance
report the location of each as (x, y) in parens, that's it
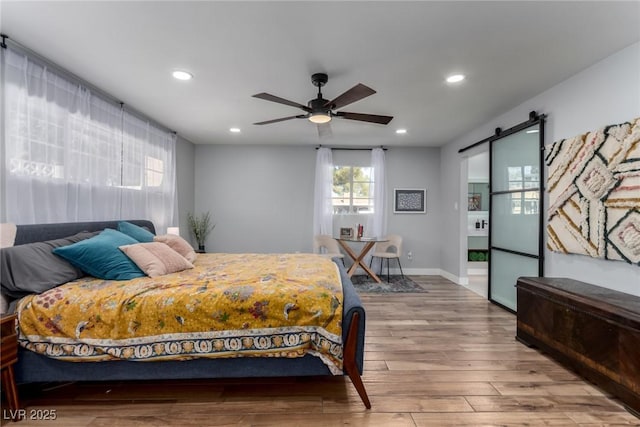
(200, 226)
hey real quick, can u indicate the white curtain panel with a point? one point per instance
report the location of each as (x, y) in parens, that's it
(377, 223)
(322, 204)
(70, 155)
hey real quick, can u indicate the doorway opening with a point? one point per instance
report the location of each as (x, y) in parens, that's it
(477, 223)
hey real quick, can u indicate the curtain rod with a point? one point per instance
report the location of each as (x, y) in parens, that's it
(9, 42)
(351, 148)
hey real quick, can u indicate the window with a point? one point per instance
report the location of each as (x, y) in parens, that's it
(73, 154)
(521, 178)
(352, 190)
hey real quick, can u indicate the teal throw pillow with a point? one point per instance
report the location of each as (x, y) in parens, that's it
(100, 256)
(142, 235)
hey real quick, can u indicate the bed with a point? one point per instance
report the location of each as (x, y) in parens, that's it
(33, 367)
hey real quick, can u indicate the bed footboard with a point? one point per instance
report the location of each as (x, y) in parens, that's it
(350, 356)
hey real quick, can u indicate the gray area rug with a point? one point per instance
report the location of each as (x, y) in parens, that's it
(364, 284)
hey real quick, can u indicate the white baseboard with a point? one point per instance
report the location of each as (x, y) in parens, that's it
(455, 279)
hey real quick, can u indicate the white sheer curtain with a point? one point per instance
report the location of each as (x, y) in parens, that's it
(322, 205)
(70, 155)
(377, 222)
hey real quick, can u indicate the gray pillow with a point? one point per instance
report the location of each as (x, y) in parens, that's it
(33, 268)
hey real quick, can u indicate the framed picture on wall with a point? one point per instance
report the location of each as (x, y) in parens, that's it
(409, 200)
(346, 233)
(475, 200)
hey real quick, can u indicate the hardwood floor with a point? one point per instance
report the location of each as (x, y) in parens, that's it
(442, 358)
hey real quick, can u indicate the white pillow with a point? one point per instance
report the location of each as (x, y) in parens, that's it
(7, 234)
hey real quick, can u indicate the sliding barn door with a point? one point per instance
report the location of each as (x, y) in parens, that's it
(515, 238)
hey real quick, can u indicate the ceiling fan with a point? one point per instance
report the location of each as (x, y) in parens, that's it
(320, 111)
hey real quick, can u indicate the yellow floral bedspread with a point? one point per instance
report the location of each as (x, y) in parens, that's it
(229, 305)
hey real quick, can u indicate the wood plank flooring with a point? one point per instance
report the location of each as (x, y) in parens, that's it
(442, 358)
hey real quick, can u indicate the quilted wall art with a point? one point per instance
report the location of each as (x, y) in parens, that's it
(594, 193)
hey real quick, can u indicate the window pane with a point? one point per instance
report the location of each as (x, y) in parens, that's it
(362, 174)
(343, 191)
(352, 189)
(361, 189)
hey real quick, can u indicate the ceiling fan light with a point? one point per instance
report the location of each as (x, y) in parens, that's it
(320, 118)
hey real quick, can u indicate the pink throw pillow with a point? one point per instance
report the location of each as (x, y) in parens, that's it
(179, 245)
(155, 258)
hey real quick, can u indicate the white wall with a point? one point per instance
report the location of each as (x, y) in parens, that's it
(605, 93)
(261, 198)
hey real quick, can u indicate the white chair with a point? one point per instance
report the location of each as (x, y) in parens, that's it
(391, 249)
(327, 246)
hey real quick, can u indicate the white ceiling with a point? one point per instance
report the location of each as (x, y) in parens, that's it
(510, 52)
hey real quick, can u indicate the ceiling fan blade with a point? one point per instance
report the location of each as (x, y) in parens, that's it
(354, 94)
(373, 118)
(324, 130)
(299, 116)
(273, 98)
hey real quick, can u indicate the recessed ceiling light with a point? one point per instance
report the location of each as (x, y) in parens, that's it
(234, 130)
(455, 78)
(182, 75)
(401, 131)
(533, 131)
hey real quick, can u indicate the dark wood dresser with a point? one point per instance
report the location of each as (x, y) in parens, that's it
(590, 329)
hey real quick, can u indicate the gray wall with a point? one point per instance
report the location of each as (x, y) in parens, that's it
(422, 235)
(261, 197)
(406, 168)
(605, 93)
(185, 183)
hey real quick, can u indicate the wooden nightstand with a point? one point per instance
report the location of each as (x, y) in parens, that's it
(9, 356)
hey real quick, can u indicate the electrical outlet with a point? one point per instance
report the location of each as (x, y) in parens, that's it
(409, 255)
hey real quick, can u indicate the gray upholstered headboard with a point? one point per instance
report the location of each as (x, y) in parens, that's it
(41, 232)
